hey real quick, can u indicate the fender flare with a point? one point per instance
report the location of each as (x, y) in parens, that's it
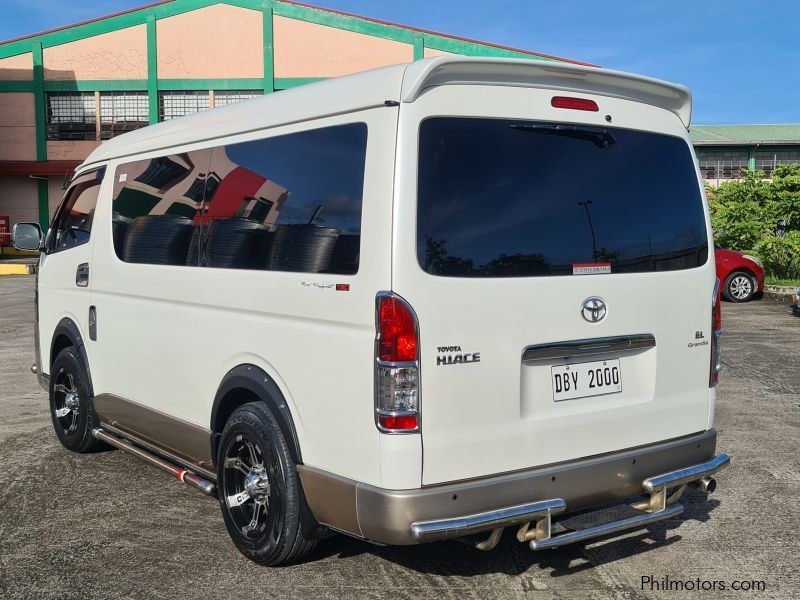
(255, 380)
(66, 327)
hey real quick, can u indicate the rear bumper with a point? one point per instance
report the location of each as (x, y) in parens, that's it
(456, 509)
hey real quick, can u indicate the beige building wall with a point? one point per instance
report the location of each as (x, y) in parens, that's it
(55, 190)
(305, 49)
(17, 68)
(432, 52)
(19, 199)
(116, 55)
(219, 41)
(17, 126)
(70, 150)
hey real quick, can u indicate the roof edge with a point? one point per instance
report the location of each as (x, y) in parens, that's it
(312, 7)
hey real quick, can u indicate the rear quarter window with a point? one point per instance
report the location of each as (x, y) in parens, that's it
(504, 198)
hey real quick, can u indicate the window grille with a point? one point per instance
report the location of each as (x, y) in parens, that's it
(121, 112)
(178, 104)
(723, 164)
(767, 160)
(225, 97)
(71, 116)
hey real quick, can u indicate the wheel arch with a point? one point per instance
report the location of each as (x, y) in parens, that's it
(247, 383)
(744, 270)
(67, 334)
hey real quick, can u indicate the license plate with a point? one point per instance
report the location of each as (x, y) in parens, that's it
(581, 380)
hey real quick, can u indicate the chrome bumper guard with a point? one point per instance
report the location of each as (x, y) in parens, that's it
(538, 528)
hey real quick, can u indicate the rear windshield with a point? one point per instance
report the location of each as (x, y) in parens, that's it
(501, 198)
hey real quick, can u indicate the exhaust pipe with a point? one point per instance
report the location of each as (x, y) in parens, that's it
(182, 475)
(706, 485)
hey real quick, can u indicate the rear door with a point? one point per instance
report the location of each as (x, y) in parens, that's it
(558, 263)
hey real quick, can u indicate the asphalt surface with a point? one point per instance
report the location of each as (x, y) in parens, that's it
(110, 526)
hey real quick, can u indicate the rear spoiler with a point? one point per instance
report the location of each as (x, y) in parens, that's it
(453, 70)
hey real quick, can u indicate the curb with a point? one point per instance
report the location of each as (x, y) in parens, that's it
(783, 293)
(17, 269)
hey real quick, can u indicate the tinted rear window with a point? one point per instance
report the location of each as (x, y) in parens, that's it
(501, 198)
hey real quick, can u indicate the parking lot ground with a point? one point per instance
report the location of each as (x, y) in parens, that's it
(109, 526)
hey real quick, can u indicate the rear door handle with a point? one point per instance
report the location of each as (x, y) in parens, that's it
(82, 275)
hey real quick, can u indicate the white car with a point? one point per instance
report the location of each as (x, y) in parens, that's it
(423, 302)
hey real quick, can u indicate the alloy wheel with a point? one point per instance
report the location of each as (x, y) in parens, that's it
(67, 401)
(741, 287)
(247, 488)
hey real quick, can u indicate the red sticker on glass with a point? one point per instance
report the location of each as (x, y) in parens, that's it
(590, 268)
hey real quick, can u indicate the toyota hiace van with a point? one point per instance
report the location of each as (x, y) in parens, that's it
(425, 302)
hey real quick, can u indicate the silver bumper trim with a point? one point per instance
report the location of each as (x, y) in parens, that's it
(686, 475)
(423, 531)
(660, 506)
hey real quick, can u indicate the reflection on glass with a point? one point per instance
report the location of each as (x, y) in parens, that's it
(289, 203)
(500, 198)
(73, 223)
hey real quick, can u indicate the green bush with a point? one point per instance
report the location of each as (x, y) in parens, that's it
(761, 217)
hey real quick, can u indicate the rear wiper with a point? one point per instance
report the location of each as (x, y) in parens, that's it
(600, 137)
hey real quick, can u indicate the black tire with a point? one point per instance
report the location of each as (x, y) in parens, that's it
(71, 405)
(739, 286)
(255, 458)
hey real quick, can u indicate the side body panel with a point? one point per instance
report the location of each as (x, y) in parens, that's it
(167, 335)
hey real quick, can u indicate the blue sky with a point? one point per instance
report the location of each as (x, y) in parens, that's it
(741, 58)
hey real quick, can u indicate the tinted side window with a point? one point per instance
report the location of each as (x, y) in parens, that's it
(157, 208)
(73, 222)
(287, 203)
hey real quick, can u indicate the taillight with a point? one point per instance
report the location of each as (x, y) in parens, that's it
(574, 103)
(396, 365)
(716, 332)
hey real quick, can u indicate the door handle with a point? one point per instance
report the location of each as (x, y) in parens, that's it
(82, 275)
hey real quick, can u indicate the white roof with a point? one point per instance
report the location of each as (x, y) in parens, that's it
(398, 83)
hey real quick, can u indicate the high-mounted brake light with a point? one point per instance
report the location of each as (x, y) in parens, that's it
(396, 365)
(716, 332)
(574, 103)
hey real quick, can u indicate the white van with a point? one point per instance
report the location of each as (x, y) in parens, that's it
(424, 302)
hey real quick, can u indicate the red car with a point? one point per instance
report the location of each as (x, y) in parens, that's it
(741, 275)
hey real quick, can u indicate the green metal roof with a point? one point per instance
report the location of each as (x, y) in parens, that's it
(745, 135)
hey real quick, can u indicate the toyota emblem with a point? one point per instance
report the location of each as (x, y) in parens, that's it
(593, 310)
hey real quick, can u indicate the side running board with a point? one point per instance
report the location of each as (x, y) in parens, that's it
(181, 474)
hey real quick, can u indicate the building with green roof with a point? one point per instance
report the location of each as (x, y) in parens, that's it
(725, 150)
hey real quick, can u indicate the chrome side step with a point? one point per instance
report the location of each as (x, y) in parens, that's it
(665, 490)
(181, 474)
(636, 522)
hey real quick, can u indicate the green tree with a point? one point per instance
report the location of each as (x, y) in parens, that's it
(762, 217)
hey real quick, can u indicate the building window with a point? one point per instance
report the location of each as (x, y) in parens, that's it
(767, 160)
(225, 97)
(178, 104)
(121, 112)
(71, 116)
(723, 164)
